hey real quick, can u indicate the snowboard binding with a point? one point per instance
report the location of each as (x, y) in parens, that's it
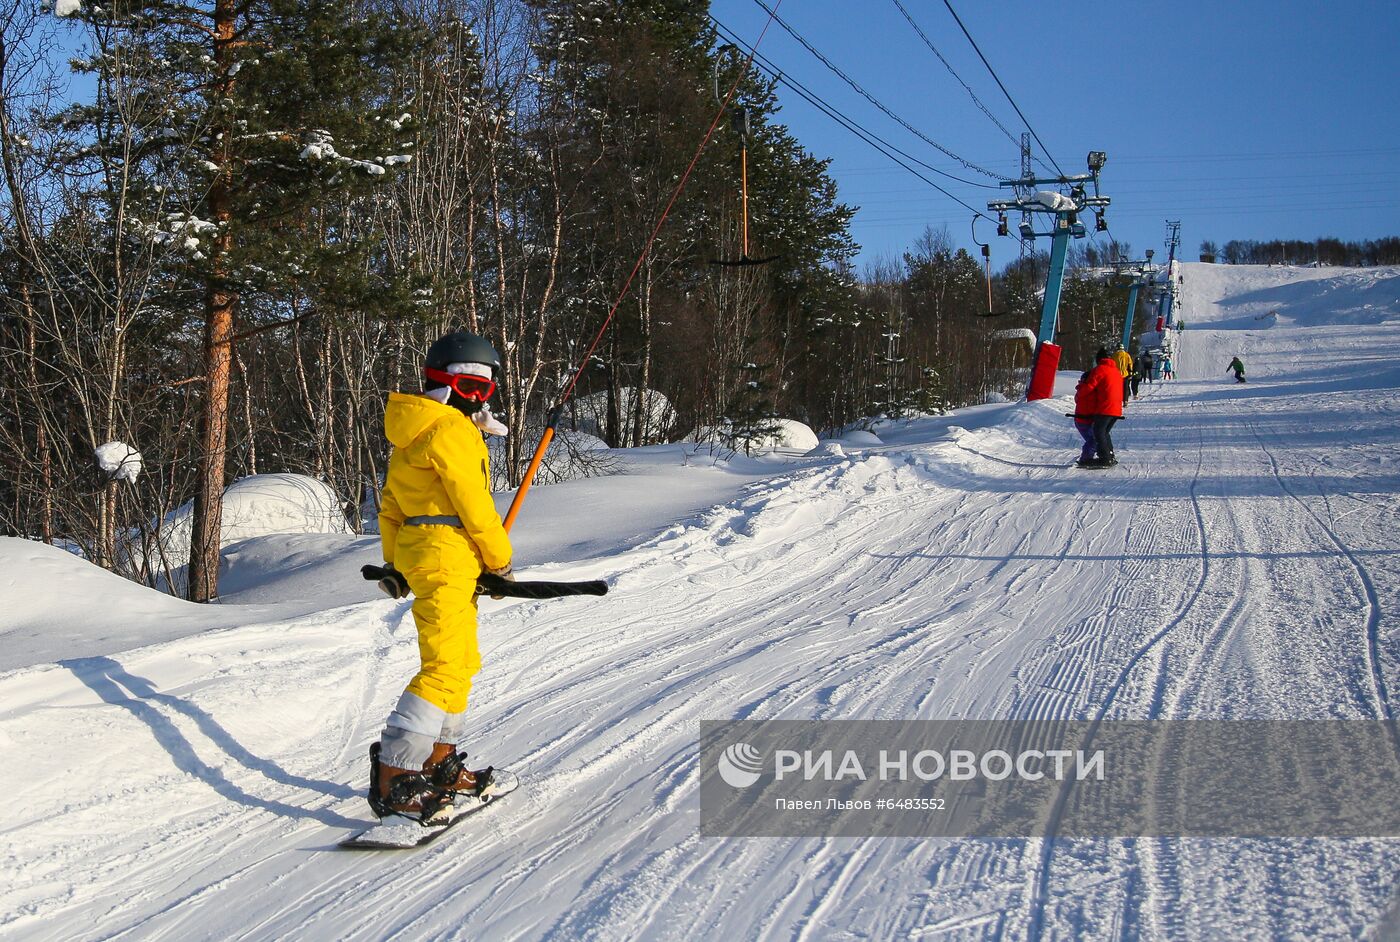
(450, 773)
(405, 790)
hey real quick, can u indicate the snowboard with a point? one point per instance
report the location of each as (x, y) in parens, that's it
(396, 833)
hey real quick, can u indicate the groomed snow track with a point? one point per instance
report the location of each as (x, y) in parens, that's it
(1240, 563)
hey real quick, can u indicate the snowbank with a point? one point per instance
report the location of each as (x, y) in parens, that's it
(253, 506)
(58, 605)
(860, 438)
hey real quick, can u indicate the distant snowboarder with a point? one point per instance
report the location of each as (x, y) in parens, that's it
(1167, 371)
(439, 531)
(1238, 367)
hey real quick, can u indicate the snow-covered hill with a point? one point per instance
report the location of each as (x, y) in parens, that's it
(1241, 563)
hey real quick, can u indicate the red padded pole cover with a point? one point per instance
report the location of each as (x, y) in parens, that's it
(1047, 361)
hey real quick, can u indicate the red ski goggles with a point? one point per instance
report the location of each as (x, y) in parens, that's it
(475, 388)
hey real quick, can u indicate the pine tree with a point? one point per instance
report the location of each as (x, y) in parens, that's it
(255, 114)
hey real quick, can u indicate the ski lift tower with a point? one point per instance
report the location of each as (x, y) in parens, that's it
(1173, 240)
(1064, 205)
(1142, 273)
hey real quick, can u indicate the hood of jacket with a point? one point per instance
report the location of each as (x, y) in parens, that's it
(407, 417)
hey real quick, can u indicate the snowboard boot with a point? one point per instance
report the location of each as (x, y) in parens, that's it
(404, 792)
(447, 770)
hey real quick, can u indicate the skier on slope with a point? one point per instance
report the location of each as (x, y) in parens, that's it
(1103, 399)
(439, 531)
(1238, 366)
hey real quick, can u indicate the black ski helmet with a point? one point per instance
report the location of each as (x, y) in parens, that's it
(462, 346)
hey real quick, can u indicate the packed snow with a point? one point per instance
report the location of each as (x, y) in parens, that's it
(119, 461)
(1242, 562)
(1054, 201)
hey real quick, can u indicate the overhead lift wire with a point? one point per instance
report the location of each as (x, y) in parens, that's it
(871, 98)
(966, 87)
(568, 392)
(817, 102)
(831, 111)
(880, 144)
(1000, 85)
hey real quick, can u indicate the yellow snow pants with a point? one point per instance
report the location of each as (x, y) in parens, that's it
(441, 569)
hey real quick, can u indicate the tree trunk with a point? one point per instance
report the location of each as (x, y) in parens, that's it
(640, 406)
(220, 301)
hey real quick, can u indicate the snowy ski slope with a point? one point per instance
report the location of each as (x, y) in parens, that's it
(1240, 563)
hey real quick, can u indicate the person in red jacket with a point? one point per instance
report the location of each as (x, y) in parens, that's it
(1103, 400)
(1083, 421)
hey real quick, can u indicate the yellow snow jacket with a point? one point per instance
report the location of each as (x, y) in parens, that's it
(439, 469)
(1124, 359)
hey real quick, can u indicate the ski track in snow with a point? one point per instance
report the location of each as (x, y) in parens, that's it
(1240, 563)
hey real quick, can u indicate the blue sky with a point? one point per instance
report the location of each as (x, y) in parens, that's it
(1245, 120)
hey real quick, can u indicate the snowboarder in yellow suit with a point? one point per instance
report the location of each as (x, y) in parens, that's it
(1124, 360)
(439, 530)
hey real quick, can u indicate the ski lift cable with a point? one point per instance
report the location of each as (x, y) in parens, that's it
(557, 412)
(859, 130)
(1000, 85)
(871, 98)
(966, 87)
(880, 144)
